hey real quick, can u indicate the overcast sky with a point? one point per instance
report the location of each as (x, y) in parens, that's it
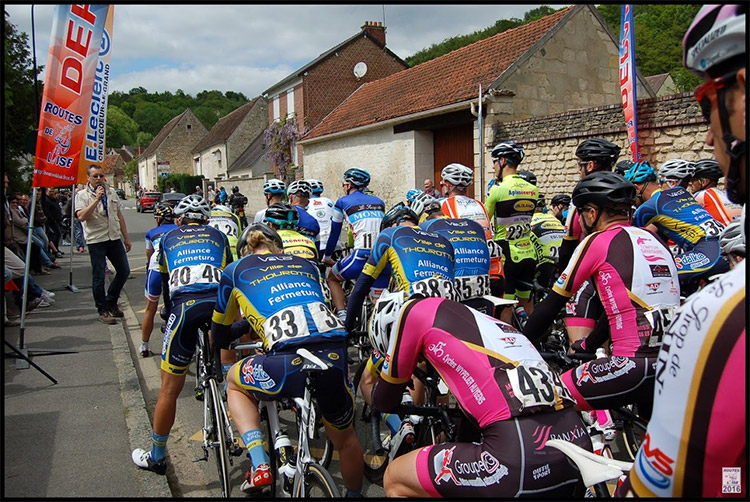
(248, 48)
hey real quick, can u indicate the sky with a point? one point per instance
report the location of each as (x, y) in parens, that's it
(248, 48)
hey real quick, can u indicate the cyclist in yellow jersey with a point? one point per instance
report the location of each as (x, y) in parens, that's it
(284, 218)
(222, 218)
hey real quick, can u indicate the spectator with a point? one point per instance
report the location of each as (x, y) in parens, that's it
(198, 191)
(429, 189)
(77, 226)
(51, 207)
(98, 208)
(210, 194)
(19, 223)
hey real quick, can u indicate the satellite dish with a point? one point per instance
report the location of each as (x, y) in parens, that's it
(360, 69)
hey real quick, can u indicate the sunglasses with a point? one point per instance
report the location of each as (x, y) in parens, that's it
(96, 176)
(582, 163)
(705, 94)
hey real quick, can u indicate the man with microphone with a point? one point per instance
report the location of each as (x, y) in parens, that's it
(98, 209)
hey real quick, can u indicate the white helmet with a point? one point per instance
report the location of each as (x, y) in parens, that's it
(274, 186)
(676, 169)
(193, 206)
(731, 239)
(421, 200)
(387, 310)
(221, 207)
(316, 185)
(457, 175)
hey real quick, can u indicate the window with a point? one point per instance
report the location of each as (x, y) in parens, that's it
(189, 127)
(290, 102)
(276, 112)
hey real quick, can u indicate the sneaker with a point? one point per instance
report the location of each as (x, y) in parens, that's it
(44, 303)
(257, 480)
(115, 311)
(31, 305)
(108, 271)
(106, 318)
(49, 293)
(80, 249)
(47, 299)
(144, 350)
(405, 434)
(59, 254)
(9, 323)
(341, 314)
(142, 459)
(54, 266)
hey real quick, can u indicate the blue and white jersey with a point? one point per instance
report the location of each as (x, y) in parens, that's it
(153, 237)
(363, 213)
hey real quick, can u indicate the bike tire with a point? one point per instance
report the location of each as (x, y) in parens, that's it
(374, 463)
(632, 437)
(316, 482)
(273, 457)
(219, 438)
(320, 444)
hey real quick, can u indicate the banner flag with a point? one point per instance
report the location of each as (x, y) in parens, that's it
(94, 142)
(71, 68)
(627, 79)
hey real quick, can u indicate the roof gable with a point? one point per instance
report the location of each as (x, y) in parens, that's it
(223, 129)
(656, 81)
(451, 78)
(159, 139)
(250, 156)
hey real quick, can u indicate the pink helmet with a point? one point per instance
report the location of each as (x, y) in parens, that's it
(716, 34)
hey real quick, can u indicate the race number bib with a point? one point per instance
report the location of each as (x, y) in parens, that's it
(516, 231)
(194, 274)
(534, 384)
(472, 286)
(286, 325)
(711, 227)
(227, 226)
(434, 287)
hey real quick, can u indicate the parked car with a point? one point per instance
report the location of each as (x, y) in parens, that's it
(120, 193)
(147, 201)
(171, 198)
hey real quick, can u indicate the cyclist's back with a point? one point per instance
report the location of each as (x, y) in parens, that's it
(546, 234)
(224, 220)
(363, 213)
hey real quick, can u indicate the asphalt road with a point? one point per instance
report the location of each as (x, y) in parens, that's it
(186, 477)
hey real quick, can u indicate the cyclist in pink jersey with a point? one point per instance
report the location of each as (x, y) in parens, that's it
(636, 279)
(503, 386)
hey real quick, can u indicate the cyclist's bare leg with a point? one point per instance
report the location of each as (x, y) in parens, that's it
(578, 332)
(400, 478)
(527, 304)
(351, 461)
(506, 315)
(337, 292)
(243, 406)
(366, 383)
(147, 326)
(166, 404)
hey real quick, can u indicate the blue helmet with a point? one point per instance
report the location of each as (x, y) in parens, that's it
(274, 186)
(412, 193)
(357, 177)
(641, 172)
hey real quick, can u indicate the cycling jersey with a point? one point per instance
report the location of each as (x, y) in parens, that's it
(363, 215)
(152, 289)
(718, 205)
(229, 224)
(511, 204)
(299, 245)
(260, 215)
(193, 257)
(307, 224)
(546, 234)
(699, 422)
(282, 299)
(321, 208)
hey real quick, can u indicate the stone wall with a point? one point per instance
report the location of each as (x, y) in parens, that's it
(252, 188)
(254, 123)
(178, 144)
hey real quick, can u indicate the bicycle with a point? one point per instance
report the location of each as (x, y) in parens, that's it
(301, 474)
(595, 469)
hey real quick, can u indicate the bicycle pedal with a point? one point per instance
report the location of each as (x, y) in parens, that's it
(198, 394)
(236, 450)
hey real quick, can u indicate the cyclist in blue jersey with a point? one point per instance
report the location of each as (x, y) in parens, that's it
(674, 214)
(299, 193)
(164, 216)
(363, 214)
(191, 258)
(282, 299)
(273, 190)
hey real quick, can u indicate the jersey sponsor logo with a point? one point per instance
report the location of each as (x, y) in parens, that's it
(523, 205)
(583, 374)
(296, 361)
(441, 462)
(541, 472)
(333, 356)
(510, 340)
(254, 374)
(654, 465)
(653, 286)
(692, 260)
(660, 271)
(486, 471)
(541, 434)
(514, 193)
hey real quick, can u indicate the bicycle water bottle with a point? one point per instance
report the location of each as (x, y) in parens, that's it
(521, 315)
(286, 454)
(600, 353)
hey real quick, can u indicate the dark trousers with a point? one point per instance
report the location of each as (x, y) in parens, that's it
(99, 252)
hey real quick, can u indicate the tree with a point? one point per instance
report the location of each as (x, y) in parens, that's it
(130, 170)
(121, 129)
(143, 139)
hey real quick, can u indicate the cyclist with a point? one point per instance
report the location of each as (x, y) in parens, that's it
(411, 194)
(191, 258)
(560, 204)
(164, 216)
(699, 423)
(321, 208)
(284, 218)
(299, 193)
(546, 235)
(674, 214)
(511, 204)
(732, 242)
(635, 277)
(706, 175)
(456, 178)
(623, 166)
(504, 388)
(237, 202)
(363, 213)
(273, 191)
(222, 218)
(282, 299)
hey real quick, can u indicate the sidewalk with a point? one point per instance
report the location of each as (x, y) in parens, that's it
(74, 439)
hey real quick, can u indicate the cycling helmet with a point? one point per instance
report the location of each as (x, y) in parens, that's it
(282, 215)
(528, 176)
(397, 214)
(235, 189)
(300, 187)
(259, 227)
(560, 198)
(509, 150)
(457, 175)
(622, 167)
(420, 202)
(164, 211)
(221, 207)
(598, 149)
(316, 186)
(731, 239)
(357, 177)
(540, 202)
(676, 169)
(640, 172)
(708, 169)
(274, 186)
(604, 189)
(193, 206)
(413, 193)
(387, 310)
(716, 34)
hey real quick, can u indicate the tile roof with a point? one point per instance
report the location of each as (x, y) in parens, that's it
(163, 134)
(448, 79)
(656, 81)
(225, 126)
(250, 156)
(110, 162)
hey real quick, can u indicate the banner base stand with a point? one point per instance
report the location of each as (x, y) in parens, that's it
(23, 361)
(73, 288)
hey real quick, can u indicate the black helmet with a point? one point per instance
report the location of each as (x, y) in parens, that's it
(282, 215)
(397, 214)
(509, 150)
(560, 198)
(623, 166)
(604, 189)
(164, 211)
(258, 227)
(235, 189)
(708, 169)
(598, 149)
(357, 177)
(540, 202)
(527, 176)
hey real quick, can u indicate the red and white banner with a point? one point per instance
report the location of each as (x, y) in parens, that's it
(68, 86)
(627, 79)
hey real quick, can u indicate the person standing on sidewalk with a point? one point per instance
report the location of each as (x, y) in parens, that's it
(98, 208)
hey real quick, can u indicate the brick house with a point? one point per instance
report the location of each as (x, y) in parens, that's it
(225, 143)
(406, 127)
(170, 151)
(314, 90)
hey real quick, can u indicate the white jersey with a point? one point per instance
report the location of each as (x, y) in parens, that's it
(259, 216)
(321, 208)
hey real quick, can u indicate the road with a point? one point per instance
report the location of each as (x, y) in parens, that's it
(186, 477)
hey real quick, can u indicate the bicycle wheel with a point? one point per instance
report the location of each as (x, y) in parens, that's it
(273, 457)
(321, 446)
(632, 437)
(375, 463)
(218, 438)
(315, 482)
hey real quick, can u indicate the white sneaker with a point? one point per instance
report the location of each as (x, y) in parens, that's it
(142, 459)
(46, 298)
(45, 303)
(49, 293)
(405, 433)
(143, 350)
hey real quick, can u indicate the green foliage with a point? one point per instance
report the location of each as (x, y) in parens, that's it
(130, 169)
(181, 182)
(121, 129)
(143, 139)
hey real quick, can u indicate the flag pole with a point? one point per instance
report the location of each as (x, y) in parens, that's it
(72, 287)
(481, 147)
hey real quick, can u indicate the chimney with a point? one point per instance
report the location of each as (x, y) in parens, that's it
(375, 29)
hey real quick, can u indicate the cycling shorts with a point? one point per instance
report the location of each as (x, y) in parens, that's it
(276, 375)
(152, 291)
(701, 262)
(584, 307)
(181, 332)
(517, 273)
(350, 266)
(613, 382)
(511, 461)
